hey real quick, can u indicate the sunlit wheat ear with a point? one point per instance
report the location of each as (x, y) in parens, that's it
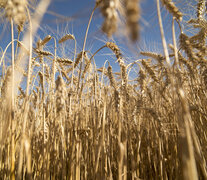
(64, 61)
(149, 70)
(103, 70)
(43, 53)
(35, 63)
(61, 92)
(123, 68)
(66, 37)
(116, 100)
(111, 77)
(41, 43)
(5, 87)
(115, 49)
(159, 57)
(22, 93)
(142, 79)
(109, 11)
(170, 6)
(87, 66)
(63, 72)
(132, 18)
(39, 50)
(46, 40)
(186, 46)
(47, 72)
(16, 10)
(200, 9)
(36, 97)
(78, 59)
(187, 63)
(41, 80)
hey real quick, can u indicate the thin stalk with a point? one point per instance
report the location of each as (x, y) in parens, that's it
(95, 71)
(73, 64)
(175, 44)
(97, 51)
(162, 34)
(3, 68)
(12, 45)
(54, 65)
(12, 108)
(102, 74)
(2, 57)
(17, 43)
(30, 55)
(84, 44)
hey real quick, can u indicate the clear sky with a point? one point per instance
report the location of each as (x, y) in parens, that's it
(78, 12)
(71, 16)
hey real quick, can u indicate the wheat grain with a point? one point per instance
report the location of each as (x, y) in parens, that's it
(200, 8)
(149, 70)
(87, 66)
(16, 10)
(132, 18)
(5, 87)
(115, 49)
(186, 46)
(44, 53)
(60, 94)
(111, 77)
(64, 61)
(78, 59)
(153, 55)
(41, 80)
(109, 11)
(46, 40)
(170, 6)
(142, 79)
(187, 63)
(66, 37)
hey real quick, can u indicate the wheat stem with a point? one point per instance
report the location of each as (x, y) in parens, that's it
(84, 43)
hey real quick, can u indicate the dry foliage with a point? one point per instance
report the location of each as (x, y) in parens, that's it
(73, 121)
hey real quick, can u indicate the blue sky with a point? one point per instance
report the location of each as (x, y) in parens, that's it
(77, 13)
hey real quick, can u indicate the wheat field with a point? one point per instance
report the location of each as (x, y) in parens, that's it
(66, 118)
